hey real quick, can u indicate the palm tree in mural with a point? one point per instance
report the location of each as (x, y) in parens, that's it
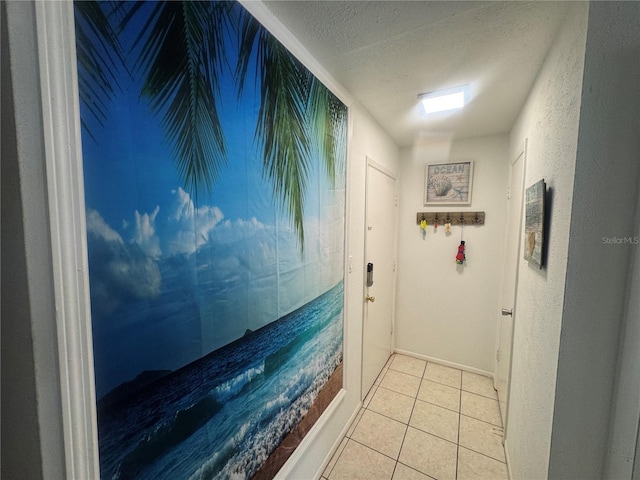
(97, 61)
(295, 110)
(181, 54)
(180, 59)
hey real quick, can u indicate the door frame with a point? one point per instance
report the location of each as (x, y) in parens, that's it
(370, 163)
(56, 229)
(522, 152)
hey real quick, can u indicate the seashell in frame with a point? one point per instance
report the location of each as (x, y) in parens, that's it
(441, 185)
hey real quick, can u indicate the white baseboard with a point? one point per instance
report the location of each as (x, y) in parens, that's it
(506, 457)
(308, 439)
(446, 363)
(338, 441)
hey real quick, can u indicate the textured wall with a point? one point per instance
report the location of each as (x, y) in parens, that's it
(605, 192)
(626, 406)
(20, 436)
(31, 397)
(444, 311)
(550, 123)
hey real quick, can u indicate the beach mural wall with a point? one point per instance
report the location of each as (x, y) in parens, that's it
(214, 173)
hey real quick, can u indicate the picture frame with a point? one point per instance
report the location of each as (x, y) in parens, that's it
(534, 224)
(448, 183)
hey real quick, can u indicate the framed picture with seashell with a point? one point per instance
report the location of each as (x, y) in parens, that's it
(448, 183)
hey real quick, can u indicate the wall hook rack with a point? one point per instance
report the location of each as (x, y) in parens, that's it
(454, 218)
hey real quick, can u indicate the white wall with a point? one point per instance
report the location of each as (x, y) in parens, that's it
(549, 121)
(32, 430)
(445, 311)
(605, 193)
(626, 407)
(20, 436)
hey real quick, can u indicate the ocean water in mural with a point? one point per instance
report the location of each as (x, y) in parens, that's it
(220, 416)
(214, 173)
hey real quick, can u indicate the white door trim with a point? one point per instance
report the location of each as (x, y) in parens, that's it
(523, 155)
(382, 169)
(55, 32)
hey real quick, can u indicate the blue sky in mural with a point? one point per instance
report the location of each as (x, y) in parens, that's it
(172, 279)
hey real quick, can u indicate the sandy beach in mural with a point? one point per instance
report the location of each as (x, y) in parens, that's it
(282, 453)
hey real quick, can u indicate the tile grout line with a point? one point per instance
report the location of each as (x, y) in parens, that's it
(405, 432)
(459, 412)
(483, 421)
(395, 464)
(415, 399)
(388, 367)
(339, 453)
(479, 394)
(483, 454)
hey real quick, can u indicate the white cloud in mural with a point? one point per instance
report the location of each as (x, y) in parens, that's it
(119, 271)
(98, 227)
(250, 239)
(145, 235)
(231, 231)
(191, 225)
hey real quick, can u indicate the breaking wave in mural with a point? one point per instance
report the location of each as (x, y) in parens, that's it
(221, 416)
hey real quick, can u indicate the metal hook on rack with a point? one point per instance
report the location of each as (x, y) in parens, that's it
(453, 218)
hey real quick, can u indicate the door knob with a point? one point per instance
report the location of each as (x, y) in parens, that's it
(371, 299)
(507, 312)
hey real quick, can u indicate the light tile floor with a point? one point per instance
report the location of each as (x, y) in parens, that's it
(422, 420)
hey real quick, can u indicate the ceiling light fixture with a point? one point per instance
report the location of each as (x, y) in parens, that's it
(443, 100)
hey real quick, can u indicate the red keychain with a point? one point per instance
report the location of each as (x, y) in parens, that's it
(461, 257)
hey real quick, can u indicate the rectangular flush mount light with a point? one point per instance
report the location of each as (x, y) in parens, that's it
(443, 100)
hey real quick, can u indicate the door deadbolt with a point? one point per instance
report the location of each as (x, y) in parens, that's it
(369, 298)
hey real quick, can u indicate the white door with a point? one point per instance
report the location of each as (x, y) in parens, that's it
(380, 248)
(509, 279)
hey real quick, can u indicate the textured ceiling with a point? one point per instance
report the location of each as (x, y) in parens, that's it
(387, 52)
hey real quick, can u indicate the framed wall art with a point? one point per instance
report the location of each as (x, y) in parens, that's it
(534, 224)
(448, 183)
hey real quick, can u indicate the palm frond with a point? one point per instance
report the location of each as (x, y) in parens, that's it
(99, 58)
(339, 116)
(181, 57)
(249, 30)
(325, 121)
(281, 126)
